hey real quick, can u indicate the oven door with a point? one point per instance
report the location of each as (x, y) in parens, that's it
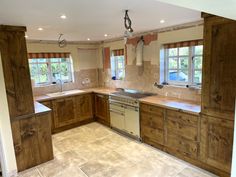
(117, 117)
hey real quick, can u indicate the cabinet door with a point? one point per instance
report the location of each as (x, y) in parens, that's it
(101, 107)
(219, 63)
(49, 105)
(216, 142)
(44, 137)
(64, 112)
(84, 108)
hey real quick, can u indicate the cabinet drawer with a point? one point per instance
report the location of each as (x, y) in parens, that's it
(183, 130)
(183, 117)
(155, 135)
(152, 120)
(182, 146)
(152, 109)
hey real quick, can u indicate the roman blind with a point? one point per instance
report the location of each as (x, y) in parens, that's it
(48, 55)
(184, 44)
(118, 52)
(106, 58)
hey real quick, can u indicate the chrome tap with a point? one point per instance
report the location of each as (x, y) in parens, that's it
(61, 84)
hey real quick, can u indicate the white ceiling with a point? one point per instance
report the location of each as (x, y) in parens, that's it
(90, 18)
(224, 8)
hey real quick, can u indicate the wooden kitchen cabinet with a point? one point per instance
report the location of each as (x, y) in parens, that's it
(217, 142)
(49, 105)
(219, 63)
(64, 111)
(84, 107)
(16, 70)
(102, 109)
(32, 141)
(152, 125)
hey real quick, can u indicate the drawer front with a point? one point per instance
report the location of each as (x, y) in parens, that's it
(152, 120)
(183, 117)
(182, 146)
(183, 130)
(152, 109)
(155, 135)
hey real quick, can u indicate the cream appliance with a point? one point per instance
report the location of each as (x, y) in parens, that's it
(124, 111)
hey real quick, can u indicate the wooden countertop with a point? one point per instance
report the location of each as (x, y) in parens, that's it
(162, 101)
(173, 103)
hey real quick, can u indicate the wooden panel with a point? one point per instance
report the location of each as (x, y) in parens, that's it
(49, 105)
(219, 63)
(217, 142)
(182, 145)
(44, 137)
(183, 118)
(106, 58)
(183, 130)
(16, 71)
(84, 109)
(102, 109)
(152, 120)
(64, 111)
(152, 109)
(155, 135)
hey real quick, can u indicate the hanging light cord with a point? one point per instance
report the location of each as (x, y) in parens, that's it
(128, 22)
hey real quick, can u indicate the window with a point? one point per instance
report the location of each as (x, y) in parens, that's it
(48, 70)
(118, 65)
(183, 65)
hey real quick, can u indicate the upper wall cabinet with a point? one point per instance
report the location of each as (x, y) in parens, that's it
(219, 64)
(16, 70)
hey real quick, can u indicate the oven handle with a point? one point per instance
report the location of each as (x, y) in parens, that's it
(116, 104)
(117, 112)
(131, 108)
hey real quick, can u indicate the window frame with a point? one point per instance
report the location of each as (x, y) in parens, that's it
(191, 69)
(49, 63)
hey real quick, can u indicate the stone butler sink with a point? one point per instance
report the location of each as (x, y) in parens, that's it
(70, 92)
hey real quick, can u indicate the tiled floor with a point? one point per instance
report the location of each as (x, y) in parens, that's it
(96, 151)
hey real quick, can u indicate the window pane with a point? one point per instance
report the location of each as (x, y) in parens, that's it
(63, 60)
(173, 63)
(32, 60)
(183, 63)
(42, 60)
(34, 72)
(55, 69)
(64, 71)
(183, 76)
(173, 74)
(43, 72)
(173, 52)
(197, 77)
(197, 62)
(54, 60)
(198, 50)
(184, 51)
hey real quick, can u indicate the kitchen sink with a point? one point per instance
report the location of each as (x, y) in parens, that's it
(70, 92)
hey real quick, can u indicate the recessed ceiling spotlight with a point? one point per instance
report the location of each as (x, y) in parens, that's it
(105, 35)
(88, 39)
(40, 29)
(63, 16)
(162, 21)
(26, 36)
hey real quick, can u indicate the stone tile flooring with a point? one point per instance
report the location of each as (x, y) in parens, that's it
(94, 150)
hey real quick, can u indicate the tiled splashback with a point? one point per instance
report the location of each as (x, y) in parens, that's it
(79, 77)
(143, 78)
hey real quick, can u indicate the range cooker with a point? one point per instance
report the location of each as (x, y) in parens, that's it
(124, 111)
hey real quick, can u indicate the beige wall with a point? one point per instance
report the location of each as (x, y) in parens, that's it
(8, 160)
(143, 77)
(78, 63)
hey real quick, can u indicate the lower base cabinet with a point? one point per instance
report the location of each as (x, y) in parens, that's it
(32, 140)
(217, 142)
(69, 112)
(102, 109)
(201, 140)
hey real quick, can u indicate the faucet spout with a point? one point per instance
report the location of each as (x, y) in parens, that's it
(61, 84)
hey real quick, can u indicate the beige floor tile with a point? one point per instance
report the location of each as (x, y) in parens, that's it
(33, 172)
(190, 172)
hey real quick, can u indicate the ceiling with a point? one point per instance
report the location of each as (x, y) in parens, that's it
(224, 8)
(90, 18)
